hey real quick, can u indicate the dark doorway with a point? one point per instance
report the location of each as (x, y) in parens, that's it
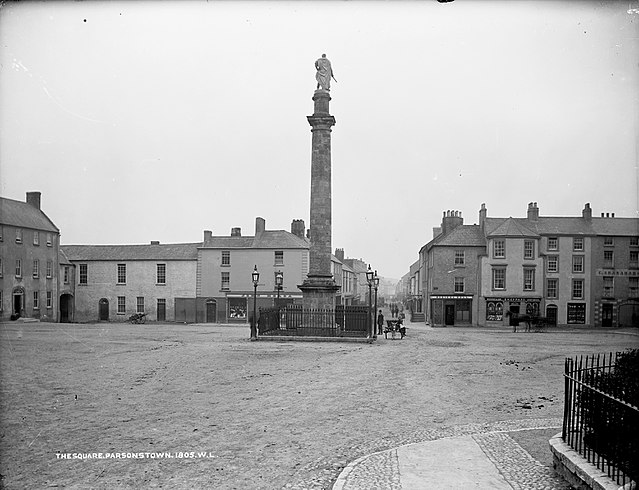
(514, 317)
(65, 308)
(551, 314)
(17, 303)
(449, 316)
(161, 310)
(103, 310)
(606, 315)
(211, 311)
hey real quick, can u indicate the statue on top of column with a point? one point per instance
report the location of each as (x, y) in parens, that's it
(324, 73)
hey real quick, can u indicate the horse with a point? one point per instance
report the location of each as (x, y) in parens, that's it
(527, 319)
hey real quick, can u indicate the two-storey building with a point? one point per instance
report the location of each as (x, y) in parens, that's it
(113, 282)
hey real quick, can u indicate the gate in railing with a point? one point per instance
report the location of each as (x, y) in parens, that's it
(343, 321)
(598, 421)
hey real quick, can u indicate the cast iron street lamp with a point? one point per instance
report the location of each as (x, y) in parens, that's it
(369, 280)
(279, 280)
(376, 285)
(256, 278)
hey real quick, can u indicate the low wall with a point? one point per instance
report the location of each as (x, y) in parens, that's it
(577, 471)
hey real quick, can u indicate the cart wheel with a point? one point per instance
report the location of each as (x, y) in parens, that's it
(143, 319)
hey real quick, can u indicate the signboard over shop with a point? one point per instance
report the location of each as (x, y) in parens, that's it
(618, 272)
(450, 296)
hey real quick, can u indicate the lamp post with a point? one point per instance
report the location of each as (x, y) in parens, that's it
(279, 280)
(375, 285)
(369, 280)
(255, 276)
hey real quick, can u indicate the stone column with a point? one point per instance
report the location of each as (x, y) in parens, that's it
(319, 288)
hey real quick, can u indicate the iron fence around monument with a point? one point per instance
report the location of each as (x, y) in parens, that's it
(294, 320)
(600, 421)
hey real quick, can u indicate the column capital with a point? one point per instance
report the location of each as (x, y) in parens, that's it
(321, 121)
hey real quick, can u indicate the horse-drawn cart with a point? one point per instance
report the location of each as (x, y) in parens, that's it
(395, 328)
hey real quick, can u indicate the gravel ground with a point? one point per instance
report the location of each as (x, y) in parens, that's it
(263, 415)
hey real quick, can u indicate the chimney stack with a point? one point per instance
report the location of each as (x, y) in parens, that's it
(33, 198)
(482, 216)
(339, 253)
(533, 211)
(155, 242)
(587, 212)
(236, 231)
(260, 225)
(451, 220)
(208, 236)
(298, 228)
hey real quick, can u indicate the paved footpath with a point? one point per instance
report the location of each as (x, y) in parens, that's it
(470, 456)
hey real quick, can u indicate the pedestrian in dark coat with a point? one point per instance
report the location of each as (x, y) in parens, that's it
(380, 322)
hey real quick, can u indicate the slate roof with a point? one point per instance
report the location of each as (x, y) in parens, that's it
(23, 215)
(64, 260)
(276, 239)
(550, 225)
(460, 236)
(513, 228)
(170, 251)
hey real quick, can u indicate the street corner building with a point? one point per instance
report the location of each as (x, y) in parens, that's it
(575, 270)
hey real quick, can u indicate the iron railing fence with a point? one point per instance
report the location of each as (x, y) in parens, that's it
(599, 423)
(349, 321)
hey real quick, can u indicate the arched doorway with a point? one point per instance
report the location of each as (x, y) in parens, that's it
(211, 311)
(66, 308)
(103, 310)
(17, 305)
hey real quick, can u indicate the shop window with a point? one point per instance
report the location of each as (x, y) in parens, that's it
(576, 313)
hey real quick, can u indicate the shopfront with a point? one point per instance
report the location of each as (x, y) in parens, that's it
(450, 310)
(497, 309)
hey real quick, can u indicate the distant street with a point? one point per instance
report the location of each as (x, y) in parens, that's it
(200, 406)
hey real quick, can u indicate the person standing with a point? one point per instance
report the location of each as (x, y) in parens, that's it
(380, 322)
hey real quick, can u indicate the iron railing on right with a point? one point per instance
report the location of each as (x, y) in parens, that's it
(598, 421)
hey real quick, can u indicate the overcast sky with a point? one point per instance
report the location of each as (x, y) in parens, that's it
(146, 120)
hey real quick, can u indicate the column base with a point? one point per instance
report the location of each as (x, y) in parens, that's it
(318, 292)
